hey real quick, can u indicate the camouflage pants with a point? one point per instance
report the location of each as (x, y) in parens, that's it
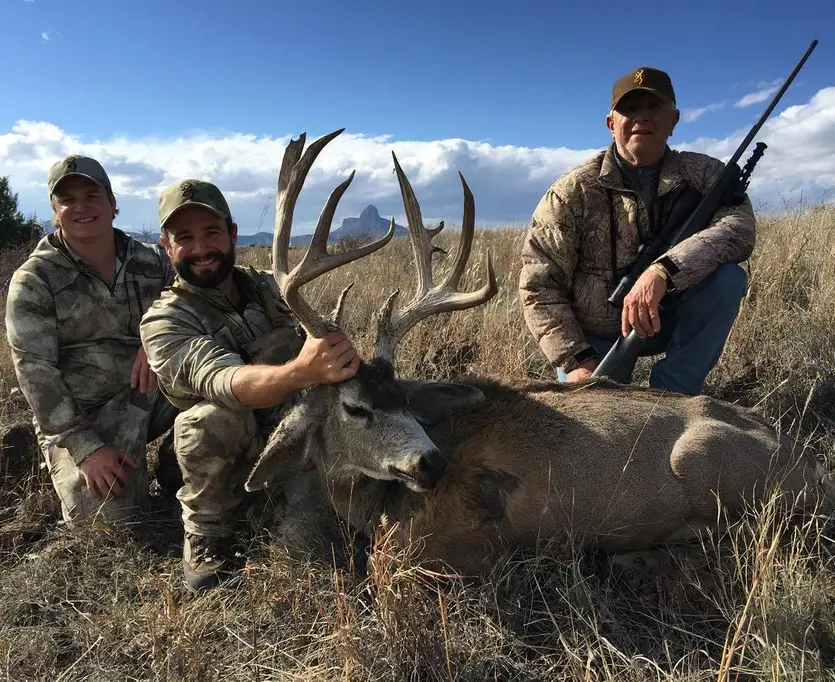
(216, 449)
(123, 418)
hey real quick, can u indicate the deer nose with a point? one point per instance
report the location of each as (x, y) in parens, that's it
(431, 466)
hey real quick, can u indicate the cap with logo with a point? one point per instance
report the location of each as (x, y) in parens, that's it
(647, 79)
(77, 166)
(191, 193)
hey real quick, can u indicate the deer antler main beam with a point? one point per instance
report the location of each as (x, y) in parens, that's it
(317, 260)
(430, 299)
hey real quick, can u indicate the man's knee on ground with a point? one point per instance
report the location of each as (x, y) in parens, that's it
(210, 428)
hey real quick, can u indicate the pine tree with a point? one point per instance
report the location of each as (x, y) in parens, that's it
(15, 228)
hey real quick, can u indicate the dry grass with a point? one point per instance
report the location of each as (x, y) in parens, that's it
(104, 604)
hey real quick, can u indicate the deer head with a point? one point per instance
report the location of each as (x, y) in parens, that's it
(370, 425)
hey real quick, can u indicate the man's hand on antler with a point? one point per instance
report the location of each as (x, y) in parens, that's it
(330, 359)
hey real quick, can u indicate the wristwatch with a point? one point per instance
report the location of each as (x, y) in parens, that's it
(574, 361)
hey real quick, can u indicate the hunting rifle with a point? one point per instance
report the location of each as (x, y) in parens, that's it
(691, 214)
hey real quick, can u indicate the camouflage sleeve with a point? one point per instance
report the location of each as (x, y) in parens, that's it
(730, 238)
(549, 255)
(188, 362)
(31, 327)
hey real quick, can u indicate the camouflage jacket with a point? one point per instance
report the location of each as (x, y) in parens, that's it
(569, 252)
(196, 340)
(74, 339)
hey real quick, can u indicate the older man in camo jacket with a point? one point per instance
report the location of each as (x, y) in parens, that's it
(586, 231)
(227, 350)
(72, 321)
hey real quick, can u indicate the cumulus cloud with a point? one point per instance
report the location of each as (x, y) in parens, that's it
(801, 149)
(46, 37)
(507, 181)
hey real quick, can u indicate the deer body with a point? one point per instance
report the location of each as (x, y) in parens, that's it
(471, 468)
(607, 466)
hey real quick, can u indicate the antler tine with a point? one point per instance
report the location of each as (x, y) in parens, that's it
(437, 299)
(339, 308)
(420, 237)
(466, 240)
(317, 260)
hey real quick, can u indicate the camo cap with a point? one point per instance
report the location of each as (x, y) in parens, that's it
(78, 166)
(191, 193)
(644, 78)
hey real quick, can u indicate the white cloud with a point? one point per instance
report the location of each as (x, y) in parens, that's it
(694, 114)
(507, 181)
(756, 97)
(46, 37)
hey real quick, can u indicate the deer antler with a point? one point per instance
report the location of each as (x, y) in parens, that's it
(317, 260)
(430, 299)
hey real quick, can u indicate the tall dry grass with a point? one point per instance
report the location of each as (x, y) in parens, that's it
(102, 604)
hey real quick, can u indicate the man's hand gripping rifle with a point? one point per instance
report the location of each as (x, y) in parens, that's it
(691, 214)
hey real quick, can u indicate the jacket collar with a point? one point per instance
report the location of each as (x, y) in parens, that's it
(124, 247)
(669, 177)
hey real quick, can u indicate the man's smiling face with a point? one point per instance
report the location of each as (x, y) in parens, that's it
(82, 209)
(201, 246)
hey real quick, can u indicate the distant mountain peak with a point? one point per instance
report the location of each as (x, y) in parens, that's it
(370, 213)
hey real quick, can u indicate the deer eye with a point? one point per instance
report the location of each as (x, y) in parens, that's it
(357, 412)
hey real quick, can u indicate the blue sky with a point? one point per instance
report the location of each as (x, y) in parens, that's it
(510, 93)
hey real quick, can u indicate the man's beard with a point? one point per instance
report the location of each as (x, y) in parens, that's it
(223, 266)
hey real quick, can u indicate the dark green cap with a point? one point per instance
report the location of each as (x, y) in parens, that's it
(644, 78)
(191, 193)
(80, 166)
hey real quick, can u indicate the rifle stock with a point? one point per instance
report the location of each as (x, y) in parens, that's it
(691, 214)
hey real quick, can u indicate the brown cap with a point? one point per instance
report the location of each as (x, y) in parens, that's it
(191, 193)
(644, 78)
(81, 166)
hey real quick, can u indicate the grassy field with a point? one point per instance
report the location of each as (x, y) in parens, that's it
(759, 603)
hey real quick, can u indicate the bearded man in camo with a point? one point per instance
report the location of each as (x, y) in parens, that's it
(586, 231)
(228, 352)
(72, 322)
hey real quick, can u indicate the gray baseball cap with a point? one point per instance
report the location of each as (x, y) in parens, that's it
(191, 192)
(78, 166)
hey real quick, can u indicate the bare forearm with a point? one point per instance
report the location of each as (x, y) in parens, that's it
(259, 386)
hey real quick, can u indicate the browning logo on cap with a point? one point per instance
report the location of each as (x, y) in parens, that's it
(643, 78)
(187, 191)
(79, 166)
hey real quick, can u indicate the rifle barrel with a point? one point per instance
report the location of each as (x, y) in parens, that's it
(752, 133)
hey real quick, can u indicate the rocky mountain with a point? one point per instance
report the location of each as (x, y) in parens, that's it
(369, 226)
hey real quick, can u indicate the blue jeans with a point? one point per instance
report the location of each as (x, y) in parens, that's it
(693, 332)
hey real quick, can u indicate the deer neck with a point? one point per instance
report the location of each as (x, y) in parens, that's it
(362, 501)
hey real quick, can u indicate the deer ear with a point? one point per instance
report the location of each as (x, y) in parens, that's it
(288, 450)
(431, 401)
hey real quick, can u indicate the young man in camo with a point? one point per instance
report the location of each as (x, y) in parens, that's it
(72, 322)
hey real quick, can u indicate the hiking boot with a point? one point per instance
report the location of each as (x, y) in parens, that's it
(206, 561)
